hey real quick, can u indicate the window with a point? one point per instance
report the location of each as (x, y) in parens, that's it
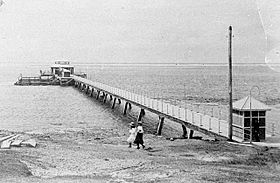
(261, 113)
(246, 122)
(262, 121)
(255, 113)
(247, 113)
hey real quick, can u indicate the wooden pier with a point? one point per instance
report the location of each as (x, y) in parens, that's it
(189, 119)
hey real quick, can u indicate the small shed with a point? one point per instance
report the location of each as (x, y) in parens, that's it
(246, 112)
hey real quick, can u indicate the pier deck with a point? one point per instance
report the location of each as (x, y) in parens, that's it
(203, 123)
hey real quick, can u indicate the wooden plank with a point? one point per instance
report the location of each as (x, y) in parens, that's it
(16, 143)
(6, 144)
(30, 142)
(6, 137)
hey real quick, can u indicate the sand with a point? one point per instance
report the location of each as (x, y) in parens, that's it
(102, 155)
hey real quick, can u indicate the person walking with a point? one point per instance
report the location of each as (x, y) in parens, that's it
(139, 136)
(132, 135)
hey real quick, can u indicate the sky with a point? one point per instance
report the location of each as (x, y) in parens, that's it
(130, 31)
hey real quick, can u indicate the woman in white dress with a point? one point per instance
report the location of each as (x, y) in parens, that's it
(132, 135)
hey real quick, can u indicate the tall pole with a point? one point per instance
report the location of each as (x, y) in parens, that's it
(230, 84)
(251, 127)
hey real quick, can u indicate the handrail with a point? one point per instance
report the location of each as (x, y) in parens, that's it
(211, 124)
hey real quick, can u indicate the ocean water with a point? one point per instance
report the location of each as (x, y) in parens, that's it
(43, 108)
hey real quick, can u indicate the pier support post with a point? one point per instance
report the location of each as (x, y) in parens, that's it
(141, 114)
(83, 87)
(103, 94)
(125, 108)
(91, 92)
(185, 132)
(119, 101)
(111, 97)
(87, 88)
(160, 125)
(98, 93)
(129, 106)
(105, 97)
(191, 134)
(114, 102)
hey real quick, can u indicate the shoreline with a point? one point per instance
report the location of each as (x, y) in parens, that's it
(84, 155)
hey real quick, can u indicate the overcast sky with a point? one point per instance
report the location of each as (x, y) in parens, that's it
(133, 31)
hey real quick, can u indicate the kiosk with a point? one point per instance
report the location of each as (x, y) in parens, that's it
(249, 113)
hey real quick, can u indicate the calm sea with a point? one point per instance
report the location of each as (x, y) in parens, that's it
(47, 108)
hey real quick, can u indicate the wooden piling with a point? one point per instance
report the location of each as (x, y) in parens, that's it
(191, 134)
(125, 108)
(119, 100)
(141, 114)
(91, 92)
(103, 94)
(129, 106)
(185, 132)
(114, 102)
(111, 97)
(105, 98)
(83, 86)
(98, 93)
(160, 125)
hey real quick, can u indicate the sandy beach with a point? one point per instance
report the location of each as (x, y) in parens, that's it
(102, 155)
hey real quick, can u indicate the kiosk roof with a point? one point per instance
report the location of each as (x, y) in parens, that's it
(244, 105)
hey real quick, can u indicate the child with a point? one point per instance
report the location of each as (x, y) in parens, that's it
(132, 135)
(139, 136)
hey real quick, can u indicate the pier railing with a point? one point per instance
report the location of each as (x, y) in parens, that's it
(199, 121)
